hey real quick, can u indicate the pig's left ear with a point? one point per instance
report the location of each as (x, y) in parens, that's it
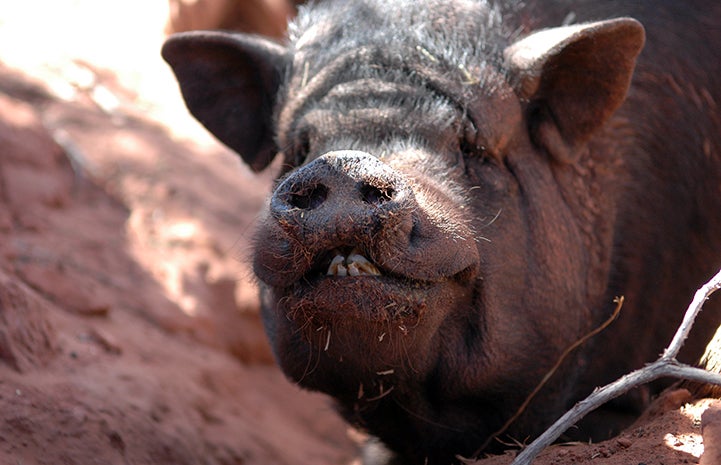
(229, 82)
(573, 78)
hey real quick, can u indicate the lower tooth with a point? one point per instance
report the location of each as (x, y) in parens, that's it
(357, 258)
(336, 267)
(354, 265)
(369, 269)
(353, 269)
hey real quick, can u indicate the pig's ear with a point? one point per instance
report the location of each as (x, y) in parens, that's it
(229, 82)
(573, 78)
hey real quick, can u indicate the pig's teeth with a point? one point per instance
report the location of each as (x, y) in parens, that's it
(359, 264)
(336, 267)
(356, 258)
(353, 269)
(369, 269)
(354, 265)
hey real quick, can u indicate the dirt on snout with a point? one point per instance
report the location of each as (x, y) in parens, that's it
(129, 327)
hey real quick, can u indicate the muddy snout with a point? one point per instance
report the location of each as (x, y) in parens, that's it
(347, 183)
(343, 204)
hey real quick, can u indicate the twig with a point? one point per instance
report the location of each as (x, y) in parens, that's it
(619, 303)
(693, 310)
(665, 366)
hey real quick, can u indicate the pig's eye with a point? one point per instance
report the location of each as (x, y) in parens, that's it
(473, 150)
(470, 145)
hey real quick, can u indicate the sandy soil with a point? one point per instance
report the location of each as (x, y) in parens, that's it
(129, 328)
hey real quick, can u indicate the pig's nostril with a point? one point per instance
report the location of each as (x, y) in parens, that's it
(309, 198)
(374, 195)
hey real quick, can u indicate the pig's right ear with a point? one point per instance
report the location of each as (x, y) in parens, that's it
(573, 78)
(229, 83)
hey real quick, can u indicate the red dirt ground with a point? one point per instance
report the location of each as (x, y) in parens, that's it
(129, 328)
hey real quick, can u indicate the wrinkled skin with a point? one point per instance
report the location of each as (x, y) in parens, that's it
(464, 192)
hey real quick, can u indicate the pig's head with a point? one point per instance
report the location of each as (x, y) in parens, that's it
(429, 249)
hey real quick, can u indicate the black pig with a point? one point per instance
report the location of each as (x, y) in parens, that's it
(465, 188)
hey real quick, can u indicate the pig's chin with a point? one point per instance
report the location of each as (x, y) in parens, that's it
(350, 310)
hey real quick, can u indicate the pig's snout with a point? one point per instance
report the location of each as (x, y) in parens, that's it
(344, 196)
(344, 207)
(348, 209)
(350, 177)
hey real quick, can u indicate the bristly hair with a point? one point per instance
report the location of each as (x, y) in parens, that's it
(436, 53)
(461, 34)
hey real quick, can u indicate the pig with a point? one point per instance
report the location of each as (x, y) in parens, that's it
(464, 187)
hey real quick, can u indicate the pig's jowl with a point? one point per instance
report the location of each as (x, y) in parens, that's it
(465, 188)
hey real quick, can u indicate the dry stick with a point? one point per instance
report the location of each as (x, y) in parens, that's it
(619, 303)
(665, 366)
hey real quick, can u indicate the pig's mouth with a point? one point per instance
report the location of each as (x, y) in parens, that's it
(354, 261)
(353, 264)
(346, 281)
(345, 261)
(353, 306)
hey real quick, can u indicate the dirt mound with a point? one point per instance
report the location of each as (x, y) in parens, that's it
(122, 305)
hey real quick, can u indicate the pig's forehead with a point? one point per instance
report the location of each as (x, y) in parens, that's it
(458, 32)
(370, 86)
(434, 60)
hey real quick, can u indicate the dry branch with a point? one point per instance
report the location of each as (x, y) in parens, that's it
(665, 366)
